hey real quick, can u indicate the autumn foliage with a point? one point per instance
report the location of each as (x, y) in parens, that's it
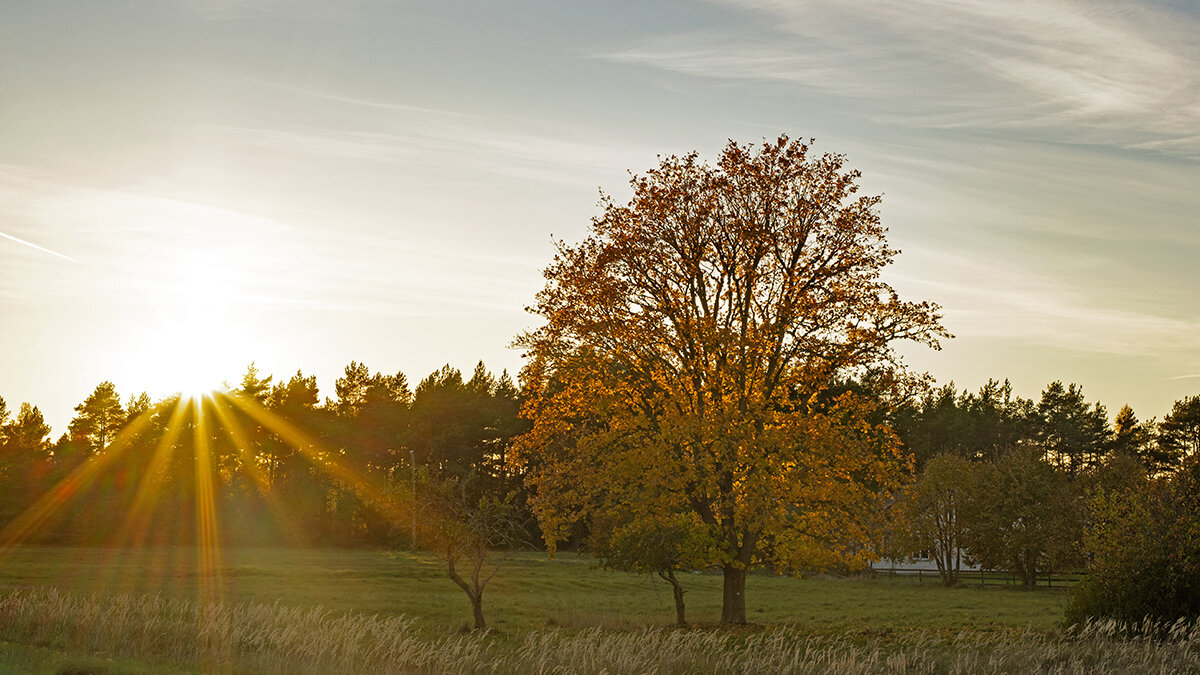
(689, 347)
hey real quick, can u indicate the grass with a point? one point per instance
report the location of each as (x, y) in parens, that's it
(89, 610)
(531, 592)
(96, 610)
(146, 633)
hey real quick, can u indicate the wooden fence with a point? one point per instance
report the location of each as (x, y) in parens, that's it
(979, 577)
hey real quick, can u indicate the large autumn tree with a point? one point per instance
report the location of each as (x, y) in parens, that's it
(691, 347)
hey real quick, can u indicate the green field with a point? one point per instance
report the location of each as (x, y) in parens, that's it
(531, 591)
(327, 610)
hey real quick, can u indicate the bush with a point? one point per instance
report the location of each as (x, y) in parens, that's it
(1145, 553)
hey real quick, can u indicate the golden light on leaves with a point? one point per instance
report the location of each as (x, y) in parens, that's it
(682, 340)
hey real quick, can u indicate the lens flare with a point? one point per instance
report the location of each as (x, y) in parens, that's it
(218, 445)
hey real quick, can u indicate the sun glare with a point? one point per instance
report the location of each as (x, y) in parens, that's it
(194, 343)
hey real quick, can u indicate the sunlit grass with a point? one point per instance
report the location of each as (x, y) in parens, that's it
(531, 592)
(272, 638)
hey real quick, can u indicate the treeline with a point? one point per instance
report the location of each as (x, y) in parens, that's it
(999, 479)
(267, 461)
(1074, 434)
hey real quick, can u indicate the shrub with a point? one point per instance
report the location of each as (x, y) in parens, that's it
(1145, 553)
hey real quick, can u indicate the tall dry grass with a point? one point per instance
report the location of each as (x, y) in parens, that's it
(276, 639)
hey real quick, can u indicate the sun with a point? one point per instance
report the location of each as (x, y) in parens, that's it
(193, 343)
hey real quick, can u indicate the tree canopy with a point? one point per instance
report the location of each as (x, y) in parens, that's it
(687, 341)
(1179, 432)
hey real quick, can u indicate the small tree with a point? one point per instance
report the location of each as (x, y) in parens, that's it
(932, 513)
(473, 535)
(654, 547)
(1026, 516)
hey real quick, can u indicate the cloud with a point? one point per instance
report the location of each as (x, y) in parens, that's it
(234, 10)
(985, 297)
(1086, 70)
(142, 250)
(455, 145)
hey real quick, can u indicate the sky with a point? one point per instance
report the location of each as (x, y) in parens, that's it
(186, 187)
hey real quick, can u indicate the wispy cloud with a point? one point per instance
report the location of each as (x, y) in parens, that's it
(232, 10)
(1064, 65)
(142, 249)
(335, 97)
(458, 145)
(989, 298)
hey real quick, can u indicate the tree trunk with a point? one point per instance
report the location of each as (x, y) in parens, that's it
(477, 606)
(475, 594)
(733, 609)
(669, 575)
(1027, 569)
(1030, 579)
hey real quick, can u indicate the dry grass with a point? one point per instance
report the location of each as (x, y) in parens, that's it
(258, 638)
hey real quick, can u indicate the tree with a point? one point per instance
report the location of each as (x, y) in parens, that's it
(1074, 435)
(686, 343)
(370, 426)
(23, 459)
(998, 419)
(372, 417)
(933, 424)
(99, 418)
(654, 546)
(293, 471)
(27, 432)
(932, 513)
(974, 426)
(1025, 516)
(137, 405)
(1179, 431)
(474, 535)
(1132, 438)
(1144, 550)
(255, 388)
(444, 430)
(465, 427)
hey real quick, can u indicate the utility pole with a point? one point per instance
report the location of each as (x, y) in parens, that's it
(412, 464)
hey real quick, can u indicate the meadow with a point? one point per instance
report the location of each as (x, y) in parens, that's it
(328, 610)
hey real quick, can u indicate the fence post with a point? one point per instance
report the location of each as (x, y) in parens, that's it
(918, 576)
